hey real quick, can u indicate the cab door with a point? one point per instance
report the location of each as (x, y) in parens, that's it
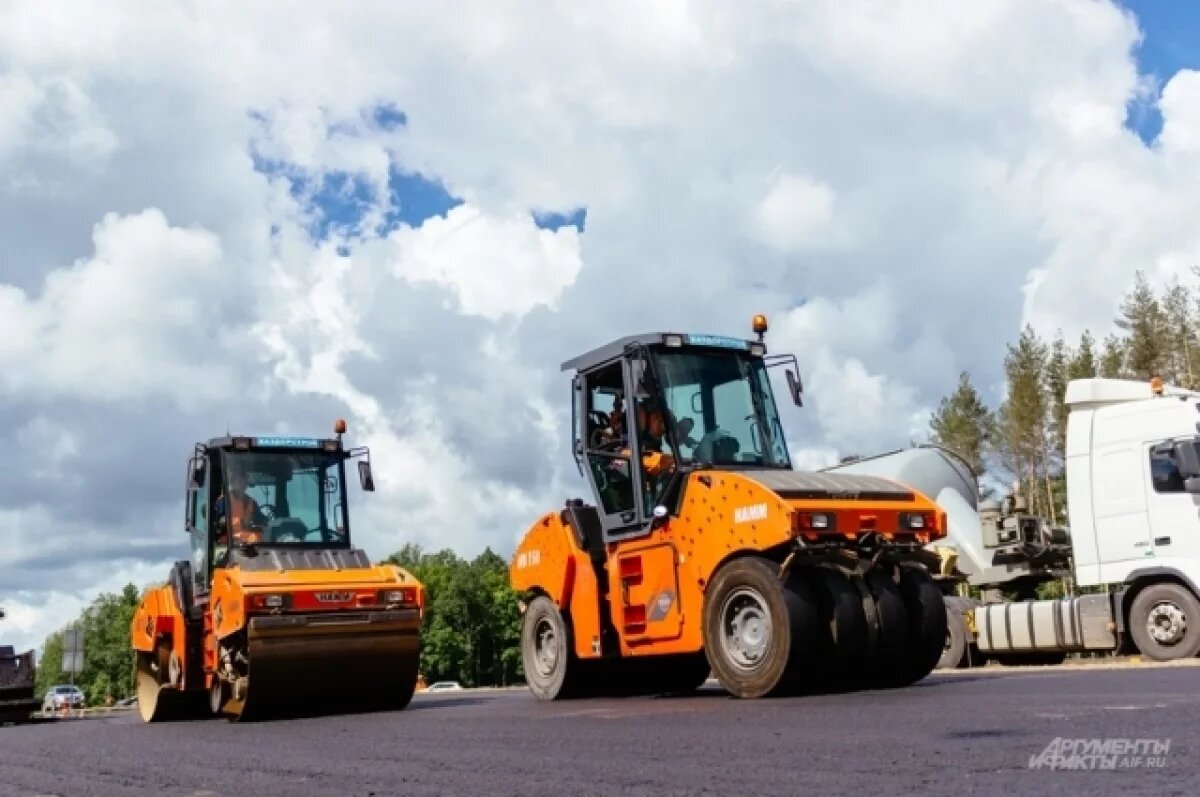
(197, 523)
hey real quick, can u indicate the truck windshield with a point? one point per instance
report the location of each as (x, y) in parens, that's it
(723, 408)
(285, 498)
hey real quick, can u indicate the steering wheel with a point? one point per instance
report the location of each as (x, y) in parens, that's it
(609, 445)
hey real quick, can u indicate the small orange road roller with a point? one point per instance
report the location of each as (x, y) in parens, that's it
(276, 612)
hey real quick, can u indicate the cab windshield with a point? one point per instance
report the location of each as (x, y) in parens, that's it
(284, 498)
(723, 408)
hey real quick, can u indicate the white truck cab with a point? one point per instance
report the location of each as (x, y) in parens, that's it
(1133, 497)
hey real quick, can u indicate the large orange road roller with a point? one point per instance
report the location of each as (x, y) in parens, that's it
(706, 552)
(276, 612)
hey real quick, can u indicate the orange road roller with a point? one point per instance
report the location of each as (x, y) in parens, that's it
(277, 612)
(704, 553)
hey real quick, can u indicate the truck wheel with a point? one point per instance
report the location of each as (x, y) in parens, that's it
(546, 650)
(755, 630)
(955, 648)
(1164, 621)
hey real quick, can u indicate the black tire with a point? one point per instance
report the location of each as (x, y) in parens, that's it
(843, 637)
(927, 620)
(747, 599)
(1160, 604)
(547, 651)
(954, 650)
(891, 627)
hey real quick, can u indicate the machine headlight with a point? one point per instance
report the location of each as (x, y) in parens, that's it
(267, 601)
(814, 521)
(916, 521)
(402, 596)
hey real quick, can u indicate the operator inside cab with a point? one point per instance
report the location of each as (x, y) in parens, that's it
(243, 518)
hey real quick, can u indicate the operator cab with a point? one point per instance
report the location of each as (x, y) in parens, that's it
(647, 409)
(250, 496)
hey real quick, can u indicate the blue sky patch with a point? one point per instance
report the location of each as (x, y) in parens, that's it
(416, 198)
(389, 117)
(550, 220)
(1170, 33)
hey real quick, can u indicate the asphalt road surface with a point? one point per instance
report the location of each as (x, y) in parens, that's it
(960, 734)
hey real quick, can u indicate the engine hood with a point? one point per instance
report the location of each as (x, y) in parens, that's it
(276, 568)
(801, 485)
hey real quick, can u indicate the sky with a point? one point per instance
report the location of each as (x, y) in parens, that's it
(216, 222)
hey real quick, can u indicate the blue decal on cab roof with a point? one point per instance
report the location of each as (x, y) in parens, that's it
(717, 340)
(288, 442)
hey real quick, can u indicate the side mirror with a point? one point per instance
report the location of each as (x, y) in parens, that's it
(1187, 458)
(795, 386)
(364, 476)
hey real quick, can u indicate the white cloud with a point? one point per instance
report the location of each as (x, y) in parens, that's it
(496, 267)
(796, 213)
(124, 323)
(899, 187)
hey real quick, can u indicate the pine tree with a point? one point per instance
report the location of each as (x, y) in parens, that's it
(1022, 438)
(1112, 361)
(964, 424)
(1180, 338)
(1082, 364)
(1057, 375)
(1143, 319)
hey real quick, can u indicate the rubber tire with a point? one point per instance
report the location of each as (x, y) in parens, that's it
(891, 634)
(927, 620)
(842, 636)
(954, 657)
(789, 634)
(561, 683)
(1186, 601)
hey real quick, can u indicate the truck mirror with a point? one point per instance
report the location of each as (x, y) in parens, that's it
(795, 386)
(364, 476)
(1187, 459)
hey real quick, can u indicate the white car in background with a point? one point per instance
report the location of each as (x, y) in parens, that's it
(62, 696)
(444, 686)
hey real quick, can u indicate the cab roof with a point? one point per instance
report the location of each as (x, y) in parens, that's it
(615, 349)
(273, 442)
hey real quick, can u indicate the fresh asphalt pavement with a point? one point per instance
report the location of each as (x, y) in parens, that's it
(965, 733)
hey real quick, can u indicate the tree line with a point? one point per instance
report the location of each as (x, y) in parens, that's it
(1022, 441)
(471, 629)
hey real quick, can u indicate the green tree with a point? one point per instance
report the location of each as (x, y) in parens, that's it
(108, 669)
(1182, 351)
(471, 628)
(1083, 363)
(964, 424)
(1057, 375)
(1112, 360)
(1022, 440)
(1144, 322)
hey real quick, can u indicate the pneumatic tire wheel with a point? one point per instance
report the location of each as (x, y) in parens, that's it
(547, 651)
(1164, 621)
(927, 626)
(954, 649)
(756, 630)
